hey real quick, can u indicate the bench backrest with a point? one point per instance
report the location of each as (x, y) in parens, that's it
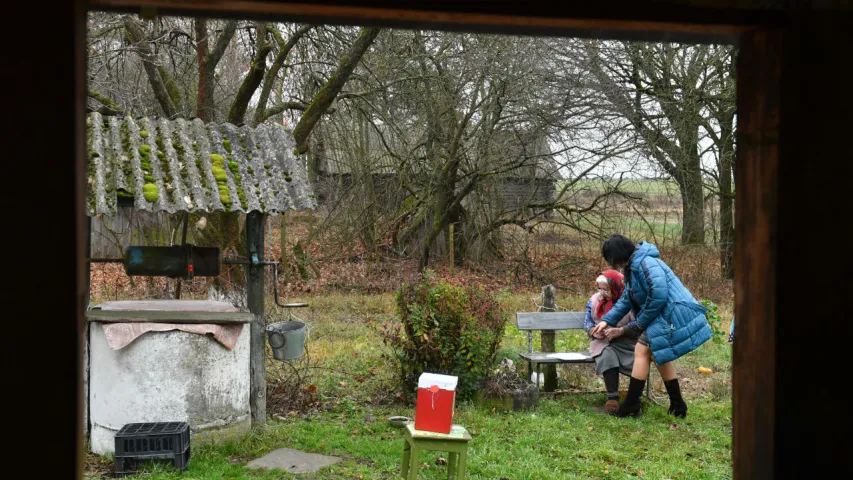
(550, 320)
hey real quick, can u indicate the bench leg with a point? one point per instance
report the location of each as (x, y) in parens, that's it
(538, 375)
(451, 465)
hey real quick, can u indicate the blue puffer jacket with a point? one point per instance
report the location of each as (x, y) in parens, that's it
(674, 321)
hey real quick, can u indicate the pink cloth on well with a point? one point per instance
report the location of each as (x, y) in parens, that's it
(119, 335)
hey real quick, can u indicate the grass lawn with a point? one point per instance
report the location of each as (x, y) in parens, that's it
(565, 437)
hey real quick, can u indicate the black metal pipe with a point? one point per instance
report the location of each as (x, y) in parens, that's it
(105, 260)
(231, 261)
(274, 263)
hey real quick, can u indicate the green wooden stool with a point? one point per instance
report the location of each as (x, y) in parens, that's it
(417, 441)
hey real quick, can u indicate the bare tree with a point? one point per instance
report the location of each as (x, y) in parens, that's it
(455, 119)
(207, 62)
(658, 89)
(180, 59)
(719, 124)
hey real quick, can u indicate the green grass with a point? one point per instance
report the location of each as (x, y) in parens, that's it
(564, 438)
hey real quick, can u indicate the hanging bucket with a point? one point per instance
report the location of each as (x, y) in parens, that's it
(287, 339)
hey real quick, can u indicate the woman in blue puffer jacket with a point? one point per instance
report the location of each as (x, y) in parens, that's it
(672, 322)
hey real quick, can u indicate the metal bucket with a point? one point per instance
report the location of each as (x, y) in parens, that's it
(287, 339)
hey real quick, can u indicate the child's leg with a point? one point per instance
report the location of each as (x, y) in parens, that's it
(611, 383)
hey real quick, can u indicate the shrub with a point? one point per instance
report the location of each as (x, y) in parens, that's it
(445, 328)
(714, 320)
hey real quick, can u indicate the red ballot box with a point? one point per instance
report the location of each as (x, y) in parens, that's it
(435, 404)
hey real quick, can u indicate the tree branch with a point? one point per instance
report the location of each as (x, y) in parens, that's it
(134, 34)
(272, 73)
(109, 106)
(324, 98)
(237, 112)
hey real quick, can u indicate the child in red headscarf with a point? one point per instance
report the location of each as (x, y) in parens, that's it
(617, 354)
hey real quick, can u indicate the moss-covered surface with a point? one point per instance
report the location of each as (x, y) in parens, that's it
(235, 170)
(218, 161)
(150, 192)
(219, 174)
(198, 163)
(181, 154)
(145, 164)
(126, 167)
(165, 166)
(91, 185)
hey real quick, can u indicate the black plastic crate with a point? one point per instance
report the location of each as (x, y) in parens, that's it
(137, 442)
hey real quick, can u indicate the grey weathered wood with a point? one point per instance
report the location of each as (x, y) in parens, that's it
(255, 300)
(551, 358)
(169, 305)
(549, 320)
(151, 316)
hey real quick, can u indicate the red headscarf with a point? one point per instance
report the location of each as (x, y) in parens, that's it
(617, 286)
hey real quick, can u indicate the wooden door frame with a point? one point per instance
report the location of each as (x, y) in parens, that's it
(758, 157)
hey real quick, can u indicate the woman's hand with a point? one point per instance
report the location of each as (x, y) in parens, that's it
(598, 330)
(613, 333)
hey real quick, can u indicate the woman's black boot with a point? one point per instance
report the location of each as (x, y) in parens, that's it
(631, 406)
(677, 406)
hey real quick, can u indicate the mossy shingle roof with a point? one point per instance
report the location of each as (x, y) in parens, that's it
(189, 166)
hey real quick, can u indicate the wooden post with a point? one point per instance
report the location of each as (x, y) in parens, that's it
(549, 303)
(85, 332)
(450, 246)
(285, 268)
(255, 300)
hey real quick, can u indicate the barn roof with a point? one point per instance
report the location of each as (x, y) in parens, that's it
(189, 166)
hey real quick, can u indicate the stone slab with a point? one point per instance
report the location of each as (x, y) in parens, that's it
(293, 461)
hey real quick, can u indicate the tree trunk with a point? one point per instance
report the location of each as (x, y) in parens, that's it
(693, 207)
(135, 35)
(207, 62)
(368, 196)
(727, 224)
(269, 78)
(204, 99)
(253, 79)
(324, 98)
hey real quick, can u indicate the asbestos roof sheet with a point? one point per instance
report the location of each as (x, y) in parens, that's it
(189, 166)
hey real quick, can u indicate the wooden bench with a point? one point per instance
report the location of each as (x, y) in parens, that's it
(557, 321)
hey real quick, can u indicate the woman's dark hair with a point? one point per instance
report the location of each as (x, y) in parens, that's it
(618, 249)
